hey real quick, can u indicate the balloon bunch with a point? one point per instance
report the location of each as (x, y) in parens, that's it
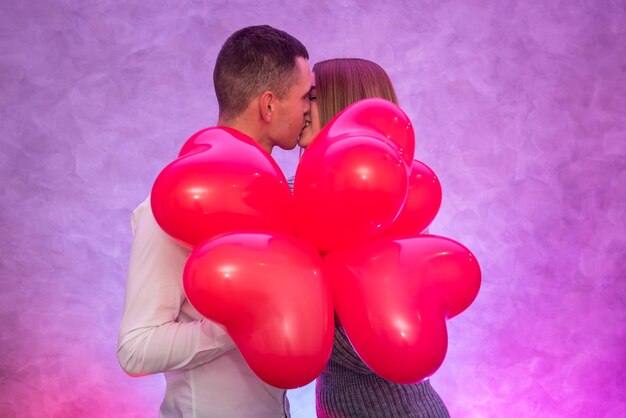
(271, 267)
(363, 201)
(226, 198)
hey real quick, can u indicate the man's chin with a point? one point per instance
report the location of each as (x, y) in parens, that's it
(289, 146)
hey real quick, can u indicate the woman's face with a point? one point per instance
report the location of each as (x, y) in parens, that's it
(313, 125)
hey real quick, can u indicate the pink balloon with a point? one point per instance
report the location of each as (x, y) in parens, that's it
(272, 297)
(422, 202)
(380, 117)
(206, 138)
(222, 182)
(393, 296)
(348, 189)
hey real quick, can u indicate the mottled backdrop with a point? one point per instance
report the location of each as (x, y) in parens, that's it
(519, 106)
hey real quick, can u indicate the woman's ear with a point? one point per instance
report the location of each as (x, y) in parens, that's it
(266, 106)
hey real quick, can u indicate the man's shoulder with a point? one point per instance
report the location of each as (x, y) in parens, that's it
(143, 209)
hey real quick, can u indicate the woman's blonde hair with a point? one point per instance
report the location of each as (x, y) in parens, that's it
(340, 82)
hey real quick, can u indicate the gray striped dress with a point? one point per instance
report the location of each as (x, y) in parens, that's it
(347, 388)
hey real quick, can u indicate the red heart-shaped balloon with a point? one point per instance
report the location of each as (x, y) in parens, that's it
(348, 189)
(271, 296)
(422, 202)
(393, 296)
(222, 182)
(207, 138)
(376, 116)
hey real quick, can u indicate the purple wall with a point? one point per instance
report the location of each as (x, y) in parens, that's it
(519, 106)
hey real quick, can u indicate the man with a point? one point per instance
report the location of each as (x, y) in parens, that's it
(262, 81)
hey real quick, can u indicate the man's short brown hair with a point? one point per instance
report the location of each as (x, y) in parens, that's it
(253, 60)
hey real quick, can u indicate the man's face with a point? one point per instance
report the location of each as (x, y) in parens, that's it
(313, 128)
(290, 112)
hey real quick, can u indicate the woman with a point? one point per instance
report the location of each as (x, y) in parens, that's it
(348, 388)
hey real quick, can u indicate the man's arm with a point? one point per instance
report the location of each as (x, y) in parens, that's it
(151, 340)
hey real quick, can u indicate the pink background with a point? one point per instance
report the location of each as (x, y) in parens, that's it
(518, 106)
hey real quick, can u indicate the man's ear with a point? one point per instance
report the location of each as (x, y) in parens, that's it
(267, 106)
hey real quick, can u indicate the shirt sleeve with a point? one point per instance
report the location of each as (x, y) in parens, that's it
(152, 339)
